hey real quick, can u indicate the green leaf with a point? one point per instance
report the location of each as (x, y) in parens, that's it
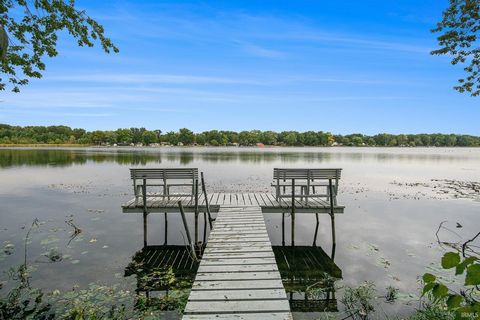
(428, 277)
(454, 301)
(428, 287)
(473, 275)
(439, 291)
(450, 260)
(464, 264)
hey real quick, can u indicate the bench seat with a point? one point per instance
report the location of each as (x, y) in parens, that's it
(165, 178)
(307, 180)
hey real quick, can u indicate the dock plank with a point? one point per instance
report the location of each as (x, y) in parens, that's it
(238, 277)
(229, 306)
(243, 316)
(244, 202)
(237, 294)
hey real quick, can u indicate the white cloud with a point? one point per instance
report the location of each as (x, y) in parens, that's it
(259, 51)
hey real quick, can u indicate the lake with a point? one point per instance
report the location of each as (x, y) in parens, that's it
(395, 199)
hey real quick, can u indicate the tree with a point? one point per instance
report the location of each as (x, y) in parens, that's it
(289, 138)
(269, 138)
(149, 137)
(459, 37)
(170, 137)
(98, 137)
(124, 136)
(245, 138)
(185, 136)
(357, 140)
(137, 134)
(200, 139)
(310, 138)
(29, 32)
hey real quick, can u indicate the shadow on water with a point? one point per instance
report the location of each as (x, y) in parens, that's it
(308, 274)
(151, 262)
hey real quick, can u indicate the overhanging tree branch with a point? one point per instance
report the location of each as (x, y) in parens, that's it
(27, 36)
(459, 37)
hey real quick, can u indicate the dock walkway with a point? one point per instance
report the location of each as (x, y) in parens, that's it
(266, 201)
(238, 277)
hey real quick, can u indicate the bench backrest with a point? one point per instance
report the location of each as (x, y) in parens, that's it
(164, 173)
(307, 174)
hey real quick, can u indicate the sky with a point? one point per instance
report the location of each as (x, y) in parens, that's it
(338, 66)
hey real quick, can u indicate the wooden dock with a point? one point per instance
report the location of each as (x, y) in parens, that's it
(238, 277)
(266, 201)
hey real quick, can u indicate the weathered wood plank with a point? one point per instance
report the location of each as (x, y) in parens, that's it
(238, 255)
(237, 285)
(242, 316)
(228, 276)
(229, 306)
(229, 244)
(238, 268)
(237, 261)
(233, 240)
(238, 248)
(258, 294)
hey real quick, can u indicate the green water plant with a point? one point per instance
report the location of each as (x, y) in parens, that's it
(359, 301)
(391, 294)
(462, 301)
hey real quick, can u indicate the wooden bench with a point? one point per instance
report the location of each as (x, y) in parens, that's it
(165, 178)
(308, 180)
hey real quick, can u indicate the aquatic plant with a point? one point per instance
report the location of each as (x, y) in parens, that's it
(97, 301)
(359, 301)
(462, 300)
(391, 294)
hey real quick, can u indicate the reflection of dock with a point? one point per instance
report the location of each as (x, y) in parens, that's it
(160, 258)
(305, 273)
(267, 201)
(305, 263)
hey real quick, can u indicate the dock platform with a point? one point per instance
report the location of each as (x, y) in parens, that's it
(238, 277)
(266, 201)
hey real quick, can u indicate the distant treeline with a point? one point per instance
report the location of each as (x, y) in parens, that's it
(136, 136)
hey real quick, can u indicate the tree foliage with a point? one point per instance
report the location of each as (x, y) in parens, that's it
(128, 136)
(459, 37)
(32, 28)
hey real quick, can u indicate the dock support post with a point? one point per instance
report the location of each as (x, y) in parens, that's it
(145, 212)
(316, 231)
(283, 228)
(166, 228)
(332, 216)
(204, 190)
(187, 231)
(293, 213)
(144, 230)
(204, 228)
(196, 210)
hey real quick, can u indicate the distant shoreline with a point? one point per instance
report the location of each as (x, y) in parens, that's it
(64, 136)
(59, 146)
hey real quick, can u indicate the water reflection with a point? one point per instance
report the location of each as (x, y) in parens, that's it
(152, 264)
(308, 275)
(185, 156)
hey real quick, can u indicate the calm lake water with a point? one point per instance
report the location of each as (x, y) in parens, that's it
(387, 234)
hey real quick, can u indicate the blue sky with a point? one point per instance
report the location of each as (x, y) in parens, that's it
(339, 66)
